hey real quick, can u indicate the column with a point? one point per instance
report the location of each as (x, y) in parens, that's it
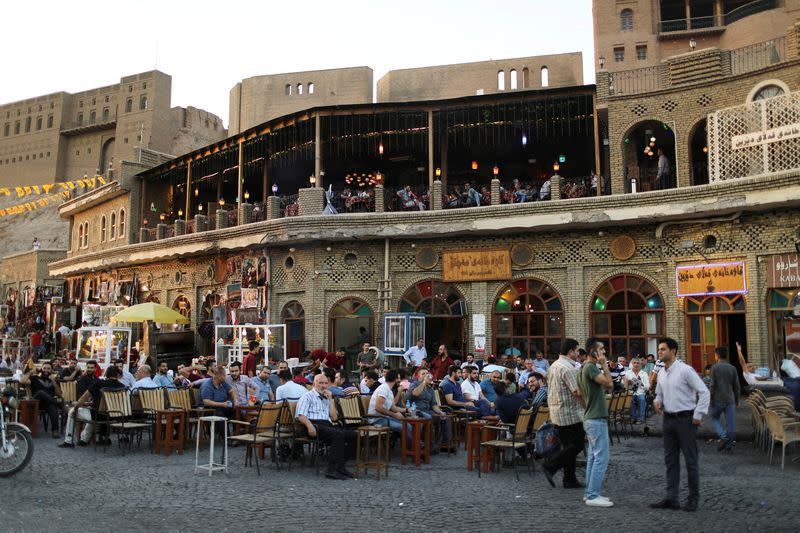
(430, 154)
(239, 192)
(318, 150)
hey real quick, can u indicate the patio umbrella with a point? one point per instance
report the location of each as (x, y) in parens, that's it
(160, 314)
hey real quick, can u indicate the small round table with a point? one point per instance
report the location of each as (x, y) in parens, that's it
(364, 458)
(165, 428)
(419, 426)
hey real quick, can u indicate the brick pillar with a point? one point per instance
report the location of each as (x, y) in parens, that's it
(273, 207)
(495, 191)
(603, 78)
(144, 235)
(436, 198)
(246, 213)
(792, 44)
(222, 218)
(311, 201)
(555, 187)
(200, 223)
(161, 231)
(180, 227)
(380, 199)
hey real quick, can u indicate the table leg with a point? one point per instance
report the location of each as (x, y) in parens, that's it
(211, 455)
(469, 450)
(181, 430)
(197, 447)
(427, 443)
(403, 444)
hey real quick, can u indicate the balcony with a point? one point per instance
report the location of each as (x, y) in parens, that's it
(677, 28)
(77, 128)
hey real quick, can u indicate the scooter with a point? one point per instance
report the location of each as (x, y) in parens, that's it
(16, 442)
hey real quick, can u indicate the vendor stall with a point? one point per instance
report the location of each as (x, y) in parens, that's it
(232, 343)
(103, 344)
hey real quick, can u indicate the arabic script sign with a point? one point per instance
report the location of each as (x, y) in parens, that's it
(713, 279)
(781, 133)
(783, 271)
(476, 265)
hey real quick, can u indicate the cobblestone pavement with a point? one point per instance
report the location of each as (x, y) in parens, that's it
(83, 490)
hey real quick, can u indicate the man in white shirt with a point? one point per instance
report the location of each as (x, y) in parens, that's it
(493, 366)
(684, 399)
(637, 382)
(471, 389)
(144, 379)
(125, 377)
(416, 354)
(381, 409)
(748, 369)
(471, 362)
(288, 390)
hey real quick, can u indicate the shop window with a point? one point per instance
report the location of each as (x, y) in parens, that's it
(627, 314)
(626, 20)
(350, 325)
(784, 317)
(713, 321)
(528, 316)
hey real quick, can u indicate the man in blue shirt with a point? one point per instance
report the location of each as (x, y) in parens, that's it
(523, 376)
(488, 386)
(540, 363)
(218, 395)
(261, 381)
(162, 379)
(451, 390)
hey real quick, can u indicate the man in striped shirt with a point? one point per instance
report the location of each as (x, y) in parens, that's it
(317, 412)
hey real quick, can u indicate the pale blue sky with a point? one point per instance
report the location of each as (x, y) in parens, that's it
(207, 47)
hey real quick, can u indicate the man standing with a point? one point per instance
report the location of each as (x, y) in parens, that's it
(593, 384)
(663, 169)
(684, 399)
(563, 396)
(367, 359)
(317, 412)
(251, 360)
(725, 390)
(416, 354)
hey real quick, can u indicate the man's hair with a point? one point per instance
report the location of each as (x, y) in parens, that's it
(112, 372)
(146, 369)
(492, 359)
(568, 345)
(253, 345)
(471, 368)
(451, 369)
(721, 351)
(92, 362)
(330, 374)
(591, 345)
(537, 375)
(671, 343)
(582, 352)
(402, 373)
(163, 363)
(391, 375)
(285, 375)
(219, 371)
(208, 363)
(119, 360)
(371, 374)
(235, 364)
(297, 371)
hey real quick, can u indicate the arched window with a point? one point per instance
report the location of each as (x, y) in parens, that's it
(768, 91)
(85, 234)
(27, 124)
(122, 223)
(92, 117)
(105, 114)
(80, 236)
(294, 316)
(545, 77)
(49, 121)
(627, 314)
(350, 324)
(288, 89)
(310, 88)
(526, 78)
(143, 102)
(445, 312)
(80, 119)
(113, 229)
(299, 88)
(103, 228)
(129, 105)
(513, 79)
(38, 123)
(501, 80)
(528, 316)
(626, 20)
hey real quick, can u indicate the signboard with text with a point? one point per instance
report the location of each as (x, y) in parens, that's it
(476, 265)
(783, 271)
(711, 279)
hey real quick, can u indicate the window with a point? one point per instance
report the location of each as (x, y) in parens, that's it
(80, 104)
(106, 99)
(16, 128)
(768, 91)
(92, 117)
(122, 223)
(94, 101)
(80, 119)
(626, 20)
(299, 88)
(143, 102)
(38, 123)
(103, 228)
(501, 80)
(85, 234)
(528, 317)
(513, 79)
(105, 114)
(310, 88)
(435, 298)
(526, 78)
(350, 318)
(144, 85)
(80, 236)
(129, 105)
(49, 121)
(77, 152)
(27, 124)
(641, 52)
(288, 89)
(619, 54)
(130, 88)
(545, 77)
(6, 129)
(113, 229)
(125, 140)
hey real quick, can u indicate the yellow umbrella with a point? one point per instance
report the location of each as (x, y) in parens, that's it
(160, 314)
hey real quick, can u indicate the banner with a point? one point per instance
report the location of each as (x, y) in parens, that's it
(783, 271)
(712, 279)
(53, 191)
(476, 265)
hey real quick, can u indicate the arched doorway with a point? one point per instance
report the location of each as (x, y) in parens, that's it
(698, 153)
(627, 314)
(106, 156)
(445, 314)
(640, 149)
(294, 316)
(184, 307)
(528, 316)
(713, 321)
(350, 326)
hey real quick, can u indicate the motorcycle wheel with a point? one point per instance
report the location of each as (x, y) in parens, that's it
(18, 452)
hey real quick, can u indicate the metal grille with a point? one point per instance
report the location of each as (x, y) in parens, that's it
(729, 158)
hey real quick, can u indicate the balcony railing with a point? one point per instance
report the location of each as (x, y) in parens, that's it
(716, 21)
(88, 124)
(636, 81)
(749, 9)
(758, 56)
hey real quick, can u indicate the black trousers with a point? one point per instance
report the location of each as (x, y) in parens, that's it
(680, 436)
(572, 439)
(341, 443)
(50, 405)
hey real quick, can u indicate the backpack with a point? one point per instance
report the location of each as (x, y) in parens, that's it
(547, 441)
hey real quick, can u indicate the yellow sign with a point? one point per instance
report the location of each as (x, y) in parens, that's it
(712, 279)
(476, 265)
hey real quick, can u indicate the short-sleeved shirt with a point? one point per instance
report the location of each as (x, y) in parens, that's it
(314, 406)
(208, 391)
(449, 387)
(593, 393)
(385, 392)
(96, 388)
(424, 401)
(473, 388)
(368, 358)
(84, 382)
(263, 389)
(289, 391)
(488, 390)
(561, 383)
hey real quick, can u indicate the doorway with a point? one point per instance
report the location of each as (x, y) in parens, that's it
(715, 321)
(445, 311)
(445, 330)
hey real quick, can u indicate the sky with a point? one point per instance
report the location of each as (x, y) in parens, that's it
(207, 47)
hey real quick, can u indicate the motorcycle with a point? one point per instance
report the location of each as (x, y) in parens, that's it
(16, 442)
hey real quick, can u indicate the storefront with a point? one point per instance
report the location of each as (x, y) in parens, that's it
(528, 317)
(783, 305)
(445, 311)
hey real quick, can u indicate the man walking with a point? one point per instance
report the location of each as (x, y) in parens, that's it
(594, 383)
(683, 398)
(563, 396)
(725, 390)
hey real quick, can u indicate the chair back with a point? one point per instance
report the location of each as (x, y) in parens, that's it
(365, 402)
(523, 423)
(542, 416)
(180, 399)
(269, 416)
(117, 402)
(627, 399)
(69, 391)
(287, 415)
(152, 400)
(437, 395)
(350, 410)
(195, 395)
(775, 424)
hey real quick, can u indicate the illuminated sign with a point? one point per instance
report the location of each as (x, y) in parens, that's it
(712, 279)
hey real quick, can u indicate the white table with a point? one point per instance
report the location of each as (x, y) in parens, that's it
(211, 466)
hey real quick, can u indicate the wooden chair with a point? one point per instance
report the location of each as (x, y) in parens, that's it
(365, 402)
(182, 399)
(261, 431)
(69, 393)
(120, 416)
(520, 438)
(783, 432)
(292, 434)
(350, 413)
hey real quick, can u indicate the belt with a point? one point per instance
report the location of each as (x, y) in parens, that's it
(679, 414)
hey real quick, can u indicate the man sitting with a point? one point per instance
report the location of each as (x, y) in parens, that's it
(472, 197)
(261, 382)
(217, 394)
(534, 392)
(47, 390)
(162, 378)
(409, 199)
(489, 385)
(288, 390)
(453, 396)
(274, 378)
(143, 379)
(82, 410)
(471, 388)
(471, 362)
(317, 412)
(382, 410)
(492, 366)
(541, 364)
(71, 372)
(125, 377)
(370, 382)
(242, 384)
(529, 369)
(421, 392)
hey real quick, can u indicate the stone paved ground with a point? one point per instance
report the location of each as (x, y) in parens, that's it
(82, 490)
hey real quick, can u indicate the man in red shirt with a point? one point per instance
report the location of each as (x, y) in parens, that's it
(250, 360)
(334, 360)
(36, 344)
(440, 363)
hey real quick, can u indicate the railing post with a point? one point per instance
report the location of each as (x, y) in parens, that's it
(247, 213)
(161, 231)
(144, 235)
(495, 186)
(436, 196)
(200, 223)
(380, 199)
(222, 218)
(555, 187)
(311, 201)
(180, 227)
(273, 207)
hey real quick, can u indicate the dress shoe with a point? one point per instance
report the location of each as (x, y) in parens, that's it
(66, 445)
(334, 475)
(346, 473)
(549, 475)
(723, 443)
(690, 506)
(666, 504)
(573, 485)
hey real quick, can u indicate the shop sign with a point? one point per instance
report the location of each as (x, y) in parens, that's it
(783, 271)
(711, 279)
(476, 265)
(758, 138)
